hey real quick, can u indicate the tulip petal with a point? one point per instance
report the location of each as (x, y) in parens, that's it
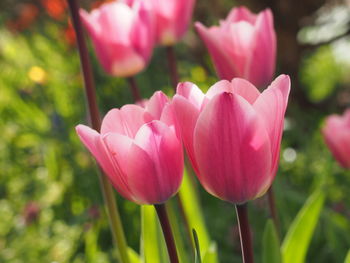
(232, 149)
(191, 92)
(262, 62)
(115, 17)
(142, 34)
(241, 14)
(183, 16)
(271, 106)
(187, 114)
(337, 137)
(219, 87)
(158, 154)
(237, 42)
(245, 89)
(118, 147)
(126, 121)
(169, 118)
(156, 104)
(224, 65)
(92, 140)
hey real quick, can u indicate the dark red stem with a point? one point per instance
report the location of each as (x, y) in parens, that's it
(134, 89)
(168, 235)
(245, 234)
(85, 66)
(272, 208)
(172, 66)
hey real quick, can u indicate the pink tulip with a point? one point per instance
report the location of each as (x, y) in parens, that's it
(140, 150)
(123, 36)
(172, 19)
(232, 135)
(336, 133)
(244, 45)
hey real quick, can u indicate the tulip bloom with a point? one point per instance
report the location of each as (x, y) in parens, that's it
(172, 19)
(336, 133)
(244, 46)
(139, 149)
(232, 135)
(123, 36)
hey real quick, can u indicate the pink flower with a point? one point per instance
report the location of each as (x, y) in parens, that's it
(140, 150)
(336, 133)
(232, 135)
(172, 19)
(244, 45)
(123, 36)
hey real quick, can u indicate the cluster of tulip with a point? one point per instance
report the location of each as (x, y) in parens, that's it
(232, 134)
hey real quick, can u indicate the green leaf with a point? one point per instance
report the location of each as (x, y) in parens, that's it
(198, 258)
(153, 248)
(133, 256)
(189, 197)
(211, 255)
(297, 240)
(347, 258)
(271, 246)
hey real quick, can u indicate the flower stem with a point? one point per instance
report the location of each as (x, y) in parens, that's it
(107, 190)
(172, 66)
(168, 235)
(272, 208)
(134, 89)
(244, 233)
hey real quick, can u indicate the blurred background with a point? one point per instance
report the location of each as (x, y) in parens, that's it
(50, 206)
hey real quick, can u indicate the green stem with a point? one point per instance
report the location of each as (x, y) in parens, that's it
(106, 187)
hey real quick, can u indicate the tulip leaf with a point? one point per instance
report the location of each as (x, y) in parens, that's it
(198, 258)
(133, 256)
(211, 255)
(298, 238)
(347, 258)
(271, 246)
(189, 197)
(153, 248)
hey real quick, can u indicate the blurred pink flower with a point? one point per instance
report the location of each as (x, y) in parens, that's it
(139, 149)
(31, 212)
(123, 36)
(244, 45)
(232, 135)
(336, 133)
(172, 19)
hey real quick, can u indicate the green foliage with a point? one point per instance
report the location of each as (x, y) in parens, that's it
(189, 197)
(297, 240)
(321, 74)
(271, 244)
(347, 258)
(153, 244)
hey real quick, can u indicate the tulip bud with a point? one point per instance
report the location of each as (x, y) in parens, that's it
(244, 46)
(232, 135)
(336, 133)
(140, 150)
(123, 36)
